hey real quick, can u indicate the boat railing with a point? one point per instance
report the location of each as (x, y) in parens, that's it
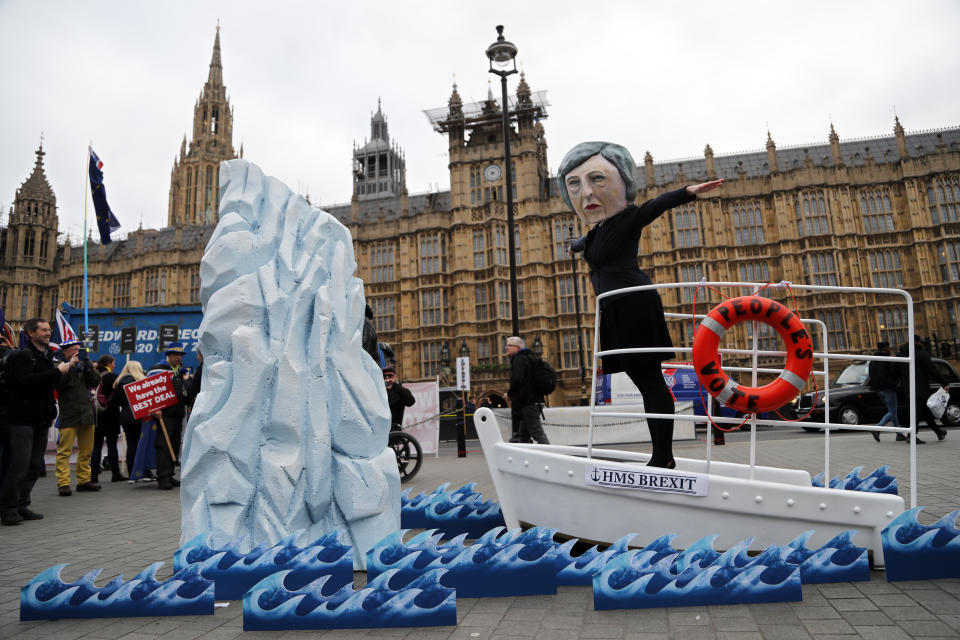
(822, 373)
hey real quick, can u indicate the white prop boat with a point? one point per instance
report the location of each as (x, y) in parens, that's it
(600, 495)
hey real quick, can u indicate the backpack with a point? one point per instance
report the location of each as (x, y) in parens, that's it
(100, 399)
(543, 377)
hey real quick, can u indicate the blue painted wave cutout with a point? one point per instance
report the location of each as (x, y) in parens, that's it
(234, 573)
(913, 551)
(450, 512)
(697, 576)
(499, 563)
(48, 597)
(878, 481)
(274, 605)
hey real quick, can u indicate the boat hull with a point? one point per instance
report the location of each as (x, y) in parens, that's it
(549, 486)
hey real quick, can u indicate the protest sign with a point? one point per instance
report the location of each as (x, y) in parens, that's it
(150, 394)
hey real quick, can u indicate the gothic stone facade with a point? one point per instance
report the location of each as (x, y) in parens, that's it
(883, 211)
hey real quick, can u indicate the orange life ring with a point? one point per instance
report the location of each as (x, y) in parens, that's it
(750, 399)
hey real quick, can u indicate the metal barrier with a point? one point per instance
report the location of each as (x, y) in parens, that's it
(755, 353)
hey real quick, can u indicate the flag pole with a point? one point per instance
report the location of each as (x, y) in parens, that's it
(86, 181)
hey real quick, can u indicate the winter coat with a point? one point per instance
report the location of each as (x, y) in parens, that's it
(32, 377)
(636, 319)
(883, 375)
(399, 398)
(521, 389)
(120, 397)
(73, 393)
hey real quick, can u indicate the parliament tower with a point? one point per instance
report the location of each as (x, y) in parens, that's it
(194, 180)
(28, 246)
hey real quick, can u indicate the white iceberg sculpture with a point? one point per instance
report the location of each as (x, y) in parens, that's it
(290, 430)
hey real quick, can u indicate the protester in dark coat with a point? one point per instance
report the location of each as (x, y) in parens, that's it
(884, 378)
(526, 403)
(173, 415)
(108, 423)
(925, 371)
(32, 376)
(596, 181)
(76, 420)
(131, 372)
(398, 397)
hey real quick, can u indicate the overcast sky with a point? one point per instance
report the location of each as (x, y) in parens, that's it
(667, 77)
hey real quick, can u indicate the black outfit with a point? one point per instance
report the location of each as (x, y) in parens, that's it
(193, 386)
(130, 425)
(31, 409)
(525, 401)
(108, 428)
(883, 375)
(173, 421)
(925, 371)
(399, 398)
(635, 319)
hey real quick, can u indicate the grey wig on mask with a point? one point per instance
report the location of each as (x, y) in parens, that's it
(616, 154)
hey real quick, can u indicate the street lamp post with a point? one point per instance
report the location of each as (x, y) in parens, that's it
(503, 62)
(576, 302)
(537, 347)
(462, 418)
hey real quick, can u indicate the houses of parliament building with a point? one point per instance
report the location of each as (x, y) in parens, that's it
(877, 212)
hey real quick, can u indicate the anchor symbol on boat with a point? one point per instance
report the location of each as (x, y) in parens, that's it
(595, 476)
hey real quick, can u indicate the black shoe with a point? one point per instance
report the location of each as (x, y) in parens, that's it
(919, 441)
(175, 482)
(672, 464)
(29, 514)
(876, 435)
(89, 486)
(10, 518)
(941, 433)
(64, 491)
(901, 437)
(164, 485)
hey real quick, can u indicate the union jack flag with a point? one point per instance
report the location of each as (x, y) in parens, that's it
(63, 332)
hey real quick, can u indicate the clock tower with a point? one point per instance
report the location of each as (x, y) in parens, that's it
(475, 134)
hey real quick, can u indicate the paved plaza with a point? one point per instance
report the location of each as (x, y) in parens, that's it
(126, 527)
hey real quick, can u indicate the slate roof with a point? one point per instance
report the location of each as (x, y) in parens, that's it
(161, 240)
(882, 149)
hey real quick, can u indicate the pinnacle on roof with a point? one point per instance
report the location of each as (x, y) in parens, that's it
(37, 186)
(523, 89)
(833, 134)
(216, 68)
(770, 142)
(455, 103)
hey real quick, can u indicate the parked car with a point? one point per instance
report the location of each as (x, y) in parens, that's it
(852, 401)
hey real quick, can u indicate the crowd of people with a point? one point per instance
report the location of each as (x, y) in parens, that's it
(43, 388)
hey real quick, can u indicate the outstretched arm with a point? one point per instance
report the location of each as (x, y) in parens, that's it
(703, 187)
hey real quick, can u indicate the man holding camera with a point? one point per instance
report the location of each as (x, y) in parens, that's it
(76, 417)
(32, 376)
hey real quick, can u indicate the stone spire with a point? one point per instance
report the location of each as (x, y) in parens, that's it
(455, 104)
(835, 147)
(648, 169)
(523, 90)
(37, 187)
(215, 77)
(194, 185)
(711, 167)
(378, 125)
(901, 137)
(772, 154)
